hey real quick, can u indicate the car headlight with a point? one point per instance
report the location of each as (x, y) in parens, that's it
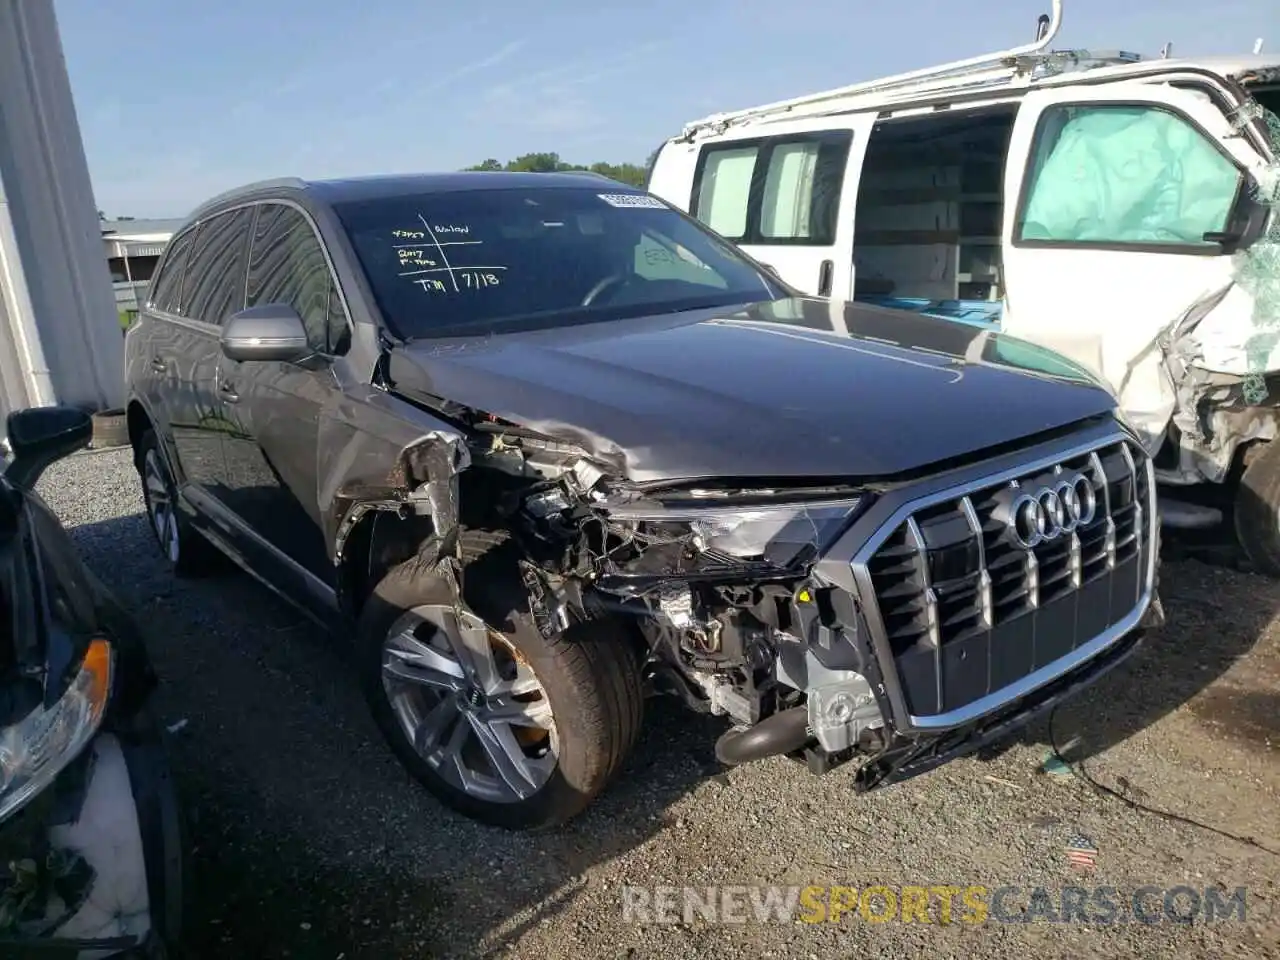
(776, 534)
(37, 748)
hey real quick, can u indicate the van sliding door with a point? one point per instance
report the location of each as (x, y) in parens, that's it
(1123, 205)
(787, 198)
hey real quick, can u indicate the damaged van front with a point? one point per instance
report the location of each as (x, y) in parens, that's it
(90, 856)
(1146, 246)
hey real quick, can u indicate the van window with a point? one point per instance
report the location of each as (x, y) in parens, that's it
(725, 190)
(802, 190)
(1129, 175)
(781, 190)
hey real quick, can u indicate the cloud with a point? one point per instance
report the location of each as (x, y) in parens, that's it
(580, 72)
(552, 100)
(505, 52)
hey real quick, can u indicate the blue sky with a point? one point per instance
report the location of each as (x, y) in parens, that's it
(179, 99)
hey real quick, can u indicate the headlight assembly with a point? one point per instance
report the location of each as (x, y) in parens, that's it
(37, 748)
(776, 534)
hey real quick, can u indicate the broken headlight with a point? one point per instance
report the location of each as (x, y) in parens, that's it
(779, 535)
(38, 747)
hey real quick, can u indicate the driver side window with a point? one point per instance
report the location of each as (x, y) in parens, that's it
(287, 265)
(666, 260)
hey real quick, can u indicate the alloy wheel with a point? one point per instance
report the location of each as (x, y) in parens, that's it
(469, 704)
(160, 506)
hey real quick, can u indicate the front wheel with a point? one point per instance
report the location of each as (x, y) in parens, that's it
(505, 726)
(1257, 509)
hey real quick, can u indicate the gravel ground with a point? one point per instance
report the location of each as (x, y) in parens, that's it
(309, 841)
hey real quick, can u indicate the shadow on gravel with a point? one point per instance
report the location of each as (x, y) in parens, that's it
(1215, 616)
(307, 838)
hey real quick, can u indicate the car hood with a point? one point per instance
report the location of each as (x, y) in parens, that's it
(781, 389)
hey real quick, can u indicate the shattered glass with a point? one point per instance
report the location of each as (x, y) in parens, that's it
(1257, 269)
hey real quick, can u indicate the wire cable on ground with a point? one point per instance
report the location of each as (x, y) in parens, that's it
(1081, 772)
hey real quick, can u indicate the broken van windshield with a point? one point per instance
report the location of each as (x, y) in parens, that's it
(474, 262)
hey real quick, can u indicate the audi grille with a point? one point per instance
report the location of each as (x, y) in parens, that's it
(987, 591)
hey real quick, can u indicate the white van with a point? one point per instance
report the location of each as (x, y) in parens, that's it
(1114, 208)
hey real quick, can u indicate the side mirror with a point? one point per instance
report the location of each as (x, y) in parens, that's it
(40, 436)
(273, 331)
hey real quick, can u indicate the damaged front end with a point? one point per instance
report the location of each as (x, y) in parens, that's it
(888, 623)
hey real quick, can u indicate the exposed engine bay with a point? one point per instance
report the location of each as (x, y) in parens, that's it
(716, 580)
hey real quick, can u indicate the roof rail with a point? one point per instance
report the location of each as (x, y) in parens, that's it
(1004, 65)
(295, 183)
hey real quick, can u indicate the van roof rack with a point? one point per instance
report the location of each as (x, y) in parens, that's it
(1002, 68)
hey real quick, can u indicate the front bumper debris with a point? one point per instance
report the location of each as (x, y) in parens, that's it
(92, 868)
(915, 758)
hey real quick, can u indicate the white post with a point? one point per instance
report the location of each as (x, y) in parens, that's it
(59, 336)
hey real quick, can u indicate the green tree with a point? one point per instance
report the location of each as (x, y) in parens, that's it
(629, 173)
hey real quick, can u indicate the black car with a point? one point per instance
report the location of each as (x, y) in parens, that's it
(541, 444)
(90, 839)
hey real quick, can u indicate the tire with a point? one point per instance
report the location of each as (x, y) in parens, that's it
(588, 691)
(110, 429)
(1257, 509)
(188, 553)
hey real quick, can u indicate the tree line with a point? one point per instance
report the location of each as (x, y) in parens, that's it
(631, 173)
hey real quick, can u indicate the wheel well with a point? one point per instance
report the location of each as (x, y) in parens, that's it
(378, 542)
(138, 422)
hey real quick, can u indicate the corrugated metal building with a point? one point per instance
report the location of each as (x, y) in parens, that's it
(59, 328)
(133, 248)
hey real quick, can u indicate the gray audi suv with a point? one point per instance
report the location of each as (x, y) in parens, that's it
(539, 446)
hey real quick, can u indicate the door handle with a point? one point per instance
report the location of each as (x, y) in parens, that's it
(158, 365)
(227, 392)
(825, 274)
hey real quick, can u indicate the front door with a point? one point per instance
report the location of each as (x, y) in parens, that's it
(272, 454)
(1123, 205)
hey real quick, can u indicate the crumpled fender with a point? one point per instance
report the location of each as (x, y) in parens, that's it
(378, 452)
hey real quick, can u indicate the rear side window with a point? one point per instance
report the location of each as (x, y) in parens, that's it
(781, 191)
(724, 190)
(216, 273)
(166, 286)
(287, 265)
(1125, 175)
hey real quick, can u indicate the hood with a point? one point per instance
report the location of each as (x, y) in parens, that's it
(783, 389)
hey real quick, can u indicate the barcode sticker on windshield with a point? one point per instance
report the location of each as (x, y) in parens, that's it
(632, 200)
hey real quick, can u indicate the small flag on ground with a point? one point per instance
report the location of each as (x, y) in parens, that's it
(1081, 853)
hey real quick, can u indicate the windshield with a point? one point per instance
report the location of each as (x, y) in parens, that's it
(483, 261)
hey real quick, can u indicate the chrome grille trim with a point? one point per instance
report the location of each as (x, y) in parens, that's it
(930, 599)
(984, 576)
(1101, 557)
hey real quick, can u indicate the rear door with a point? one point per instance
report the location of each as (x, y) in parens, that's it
(1118, 200)
(272, 452)
(181, 359)
(787, 197)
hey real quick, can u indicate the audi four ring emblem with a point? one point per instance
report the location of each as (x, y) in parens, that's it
(1046, 514)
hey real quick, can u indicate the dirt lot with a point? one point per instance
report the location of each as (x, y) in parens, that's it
(309, 842)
